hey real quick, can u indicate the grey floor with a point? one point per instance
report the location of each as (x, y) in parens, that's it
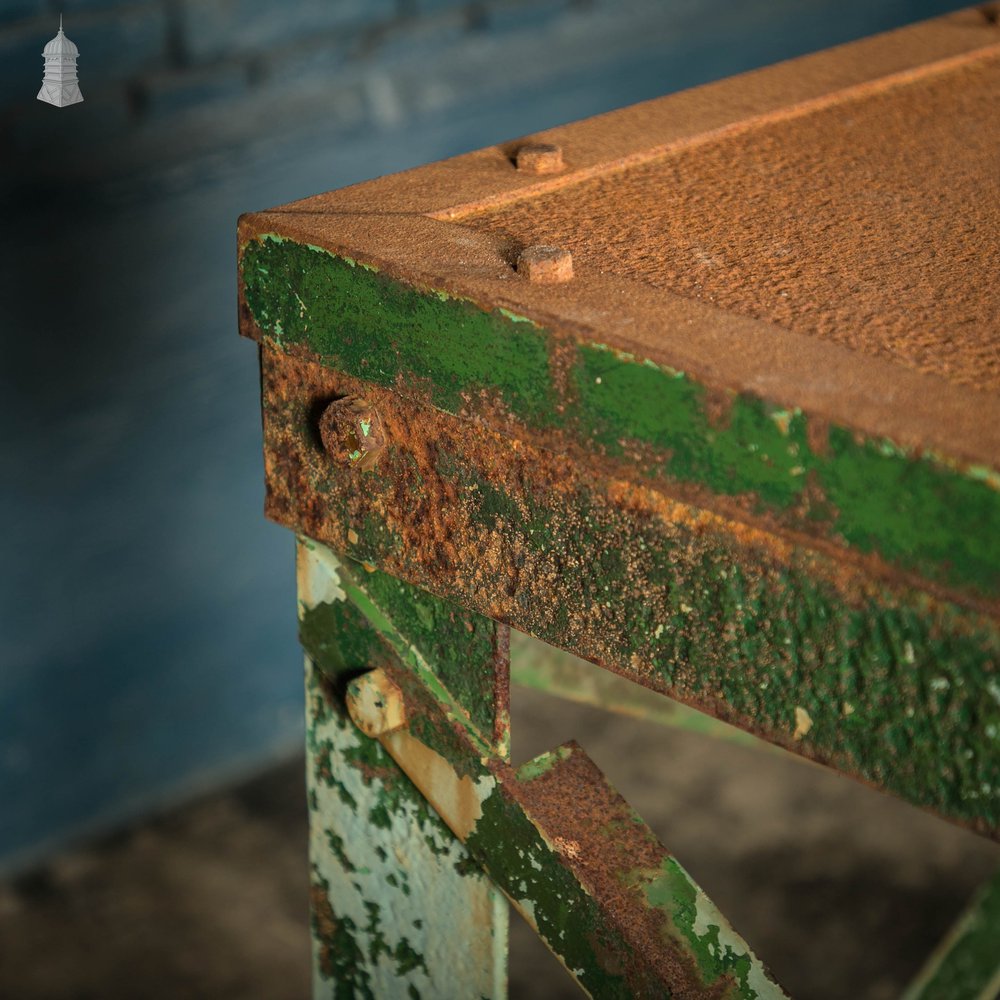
(841, 889)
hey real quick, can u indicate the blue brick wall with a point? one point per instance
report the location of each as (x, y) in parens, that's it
(147, 629)
(224, 27)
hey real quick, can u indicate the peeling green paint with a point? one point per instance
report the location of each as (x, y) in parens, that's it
(621, 400)
(311, 297)
(519, 860)
(901, 689)
(520, 857)
(370, 847)
(718, 951)
(386, 892)
(542, 764)
(525, 856)
(914, 511)
(458, 643)
(338, 955)
(768, 638)
(921, 513)
(411, 656)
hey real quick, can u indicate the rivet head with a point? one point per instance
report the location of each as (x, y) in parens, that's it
(352, 433)
(539, 158)
(545, 265)
(375, 703)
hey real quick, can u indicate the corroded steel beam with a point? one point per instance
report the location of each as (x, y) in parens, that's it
(624, 918)
(541, 667)
(782, 302)
(621, 914)
(744, 450)
(869, 676)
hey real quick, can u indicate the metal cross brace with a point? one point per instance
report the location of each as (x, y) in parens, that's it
(577, 862)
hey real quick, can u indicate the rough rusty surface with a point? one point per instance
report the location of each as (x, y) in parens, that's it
(642, 889)
(620, 913)
(774, 319)
(451, 187)
(545, 264)
(399, 226)
(793, 471)
(873, 222)
(884, 682)
(352, 433)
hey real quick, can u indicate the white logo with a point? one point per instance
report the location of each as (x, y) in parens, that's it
(59, 85)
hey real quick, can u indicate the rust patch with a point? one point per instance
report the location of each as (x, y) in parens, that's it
(871, 223)
(545, 265)
(513, 531)
(501, 688)
(601, 839)
(352, 433)
(435, 531)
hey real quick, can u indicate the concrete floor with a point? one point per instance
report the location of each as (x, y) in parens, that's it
(842, 890)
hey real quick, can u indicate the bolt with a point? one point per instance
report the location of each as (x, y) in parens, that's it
(352, 433)
(540, 158)
(375, 703)
(546, 265)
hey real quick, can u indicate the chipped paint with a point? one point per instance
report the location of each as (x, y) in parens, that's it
(505, 820)
(803, 723)
(396, 907)
(442, 342)
(469, 651)
(318, 581)
(571, 878)
(719, 950)
(596, 565)
(458, 796)
(541, 764)
(387, 891)
(921, 512)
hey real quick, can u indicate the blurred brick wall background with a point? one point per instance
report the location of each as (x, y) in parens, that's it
(147, 640)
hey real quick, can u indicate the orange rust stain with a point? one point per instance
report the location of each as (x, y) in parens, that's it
(871, 221)
(435, 516)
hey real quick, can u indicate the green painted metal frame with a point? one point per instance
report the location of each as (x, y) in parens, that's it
(415, 831)
(817, 567)
(884, 682)
(577, 862)
(398, 908)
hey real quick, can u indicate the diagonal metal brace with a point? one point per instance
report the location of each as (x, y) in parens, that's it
(568, 851)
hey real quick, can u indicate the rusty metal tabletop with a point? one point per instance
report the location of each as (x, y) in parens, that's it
(705, 390)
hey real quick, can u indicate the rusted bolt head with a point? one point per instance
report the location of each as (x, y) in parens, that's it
(375, 703)
(547, 265)
(352, 433)
(539, 158)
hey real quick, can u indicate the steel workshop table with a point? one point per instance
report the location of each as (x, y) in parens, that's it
(706, 391)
